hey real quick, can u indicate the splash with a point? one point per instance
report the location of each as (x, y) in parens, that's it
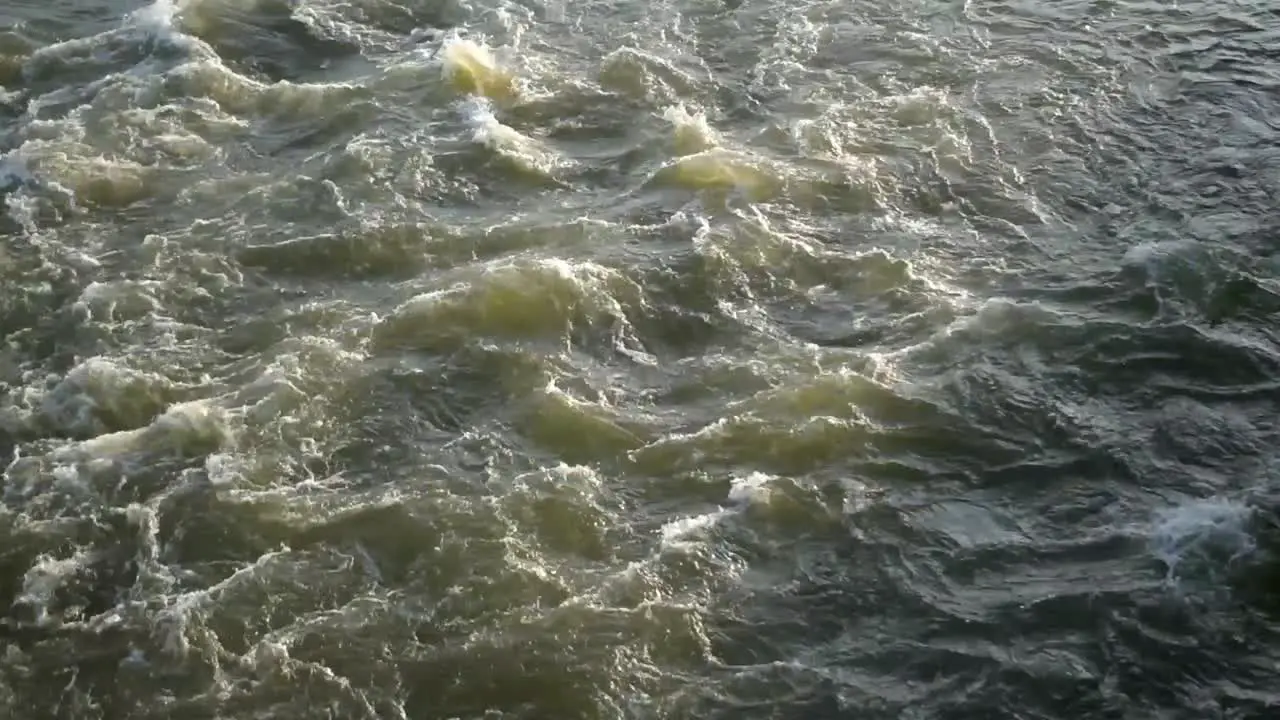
(1196, 537)
(525, 154)
(471, 69)
(691, 132)
(156, 18)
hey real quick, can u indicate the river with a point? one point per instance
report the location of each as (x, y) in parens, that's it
(554, 359)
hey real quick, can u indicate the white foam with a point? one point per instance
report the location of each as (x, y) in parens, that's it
(104, 300)
(489, 131)
(754, 488)
(13, 169)
(692, 131)
(743, 491)
(43, 580)
(1146, 253)
(689, 529)
(19, 206)
(1201, 530)
(90, 386)
(155, 18)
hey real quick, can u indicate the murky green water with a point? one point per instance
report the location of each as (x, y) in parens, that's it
(685, 359)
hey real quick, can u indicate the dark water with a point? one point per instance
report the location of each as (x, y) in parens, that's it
(687, 359)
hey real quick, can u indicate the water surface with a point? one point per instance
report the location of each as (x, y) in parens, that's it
(676, 359)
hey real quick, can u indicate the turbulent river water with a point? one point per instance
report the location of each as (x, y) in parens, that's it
(557, 359)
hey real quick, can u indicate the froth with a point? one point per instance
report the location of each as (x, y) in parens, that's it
(1201, 535)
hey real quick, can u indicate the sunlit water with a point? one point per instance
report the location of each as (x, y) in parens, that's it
(678, 359)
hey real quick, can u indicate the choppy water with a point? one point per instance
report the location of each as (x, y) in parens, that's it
(675, 359)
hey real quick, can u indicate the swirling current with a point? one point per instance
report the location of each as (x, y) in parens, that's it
(553, 359)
